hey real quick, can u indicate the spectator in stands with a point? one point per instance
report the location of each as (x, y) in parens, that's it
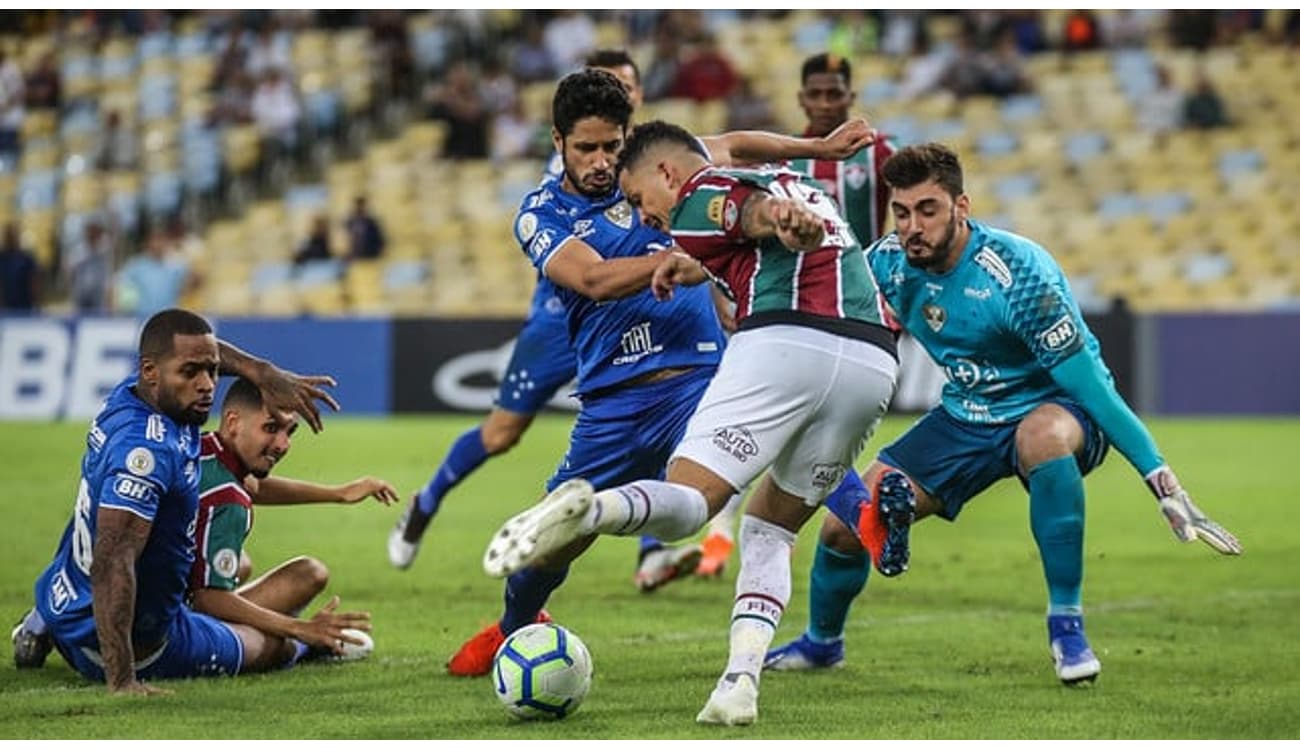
(231, 64)
(1203, 108)
(118, 147)
(268, 51)
(1081, 32)
(499, 88)
(706, 74)
(317, 244)
(532, 60)
(365, 236)
(964, 74)
(570, 35)
(926, 71)
(1127, 28)
(153, 280)
(1003, 69)
(391, 40)
(1162, 109)
(44, 84)
(458, 101)
(90, 273)
(19, 280)
(661, 73)
(12, 98)
(513, 134)
(746, 110)
(231, 105)
(277, 113)
(1193, 28)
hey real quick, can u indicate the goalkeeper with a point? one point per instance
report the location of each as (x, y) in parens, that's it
(1027, 395)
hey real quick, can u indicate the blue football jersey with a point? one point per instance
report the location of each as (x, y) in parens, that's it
(546, 296)
(140, 461)
(996, 323)
(619, 340)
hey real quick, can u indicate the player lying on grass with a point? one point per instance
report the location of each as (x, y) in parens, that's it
(235, 465)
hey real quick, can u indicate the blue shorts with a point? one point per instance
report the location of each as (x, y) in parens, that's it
(197, 645)
(541, 364)
(630, 434)
(954, 461)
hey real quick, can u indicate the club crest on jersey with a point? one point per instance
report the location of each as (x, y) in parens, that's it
(855, 175)
(527, 226)
(583, 228)
(226, 563)
(934, 315)
(715, 209)
(730, 215)
(620, 215)
(139, 462)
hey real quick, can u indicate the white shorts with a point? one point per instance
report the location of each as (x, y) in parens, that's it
(799, 400)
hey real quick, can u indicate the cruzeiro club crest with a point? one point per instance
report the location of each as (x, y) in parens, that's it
(620, 215)
(934, 316)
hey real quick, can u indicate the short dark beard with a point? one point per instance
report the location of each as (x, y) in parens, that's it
(577, 184)
(942, 252)
(177, 412)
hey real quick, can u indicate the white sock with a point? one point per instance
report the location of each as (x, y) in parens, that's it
(725, 521)
(663, 510)
(762, 591)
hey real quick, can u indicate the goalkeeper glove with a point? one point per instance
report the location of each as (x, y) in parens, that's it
(1187, 520)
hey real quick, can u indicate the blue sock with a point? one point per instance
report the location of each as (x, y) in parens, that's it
(34, 623)
(466, 455)
(648, 544)
(300, 650)
(526, 594)
(845, 502)
(837, 579)
(1056, 517)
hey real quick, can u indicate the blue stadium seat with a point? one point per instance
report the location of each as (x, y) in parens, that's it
(196, 44)
(400, 274)
(1200, 269)
(1013, 187)
(1116, 206)
(163, 194)
(879, 90)
(1239, 161)
(1021, 107)
(323, 110)
(1081, 148)
(430, 48)
(316, 272)
(156, 44)
(272, 274)
(945, 129)
(38, 191)
(998, 143)
(905, 129)
(306, 198)
(1164, 206)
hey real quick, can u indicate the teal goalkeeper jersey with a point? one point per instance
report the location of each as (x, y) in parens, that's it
(996, 323)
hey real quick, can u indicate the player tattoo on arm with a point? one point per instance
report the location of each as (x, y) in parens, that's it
(120, 538)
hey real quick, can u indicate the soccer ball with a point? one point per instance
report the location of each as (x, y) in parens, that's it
(542, 671)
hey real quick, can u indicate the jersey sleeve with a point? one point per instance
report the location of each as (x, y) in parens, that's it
(540, 231)
(141, 471)
(220, 536)
(1038, 310)
(706, 223)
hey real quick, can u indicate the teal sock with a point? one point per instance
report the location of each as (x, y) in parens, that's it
(1056, 517)
(837, 579)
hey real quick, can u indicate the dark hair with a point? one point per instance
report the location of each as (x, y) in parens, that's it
(589, 93)
(650, 134)
(613, 58)
(242, 394)
(157, 340)
(913, 165)
(826, 62)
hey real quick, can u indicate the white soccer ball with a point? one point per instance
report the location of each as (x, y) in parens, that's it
(354, 651)
(542, 671)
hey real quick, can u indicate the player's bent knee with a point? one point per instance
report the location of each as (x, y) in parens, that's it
(1049, 432)
(502, 431)
(310, 573)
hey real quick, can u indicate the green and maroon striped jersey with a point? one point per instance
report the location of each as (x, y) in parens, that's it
(764, 276)
(857, 186)
(224, 519)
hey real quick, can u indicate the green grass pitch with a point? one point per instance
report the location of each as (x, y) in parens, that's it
(1193, 645)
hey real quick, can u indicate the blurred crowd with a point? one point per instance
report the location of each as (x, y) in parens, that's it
(468, 69)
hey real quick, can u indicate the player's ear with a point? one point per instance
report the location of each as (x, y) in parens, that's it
(557, 140)
(963, 207)
(148, 371)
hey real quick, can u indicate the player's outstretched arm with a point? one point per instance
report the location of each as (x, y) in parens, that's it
(325, 630)
(283, 390)
(285, 491)
(679, 269)
(757, 146)
(1081, 376)
(576, 265)
(120, 537)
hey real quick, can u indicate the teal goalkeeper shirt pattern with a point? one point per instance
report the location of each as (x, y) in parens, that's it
(996, 323)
